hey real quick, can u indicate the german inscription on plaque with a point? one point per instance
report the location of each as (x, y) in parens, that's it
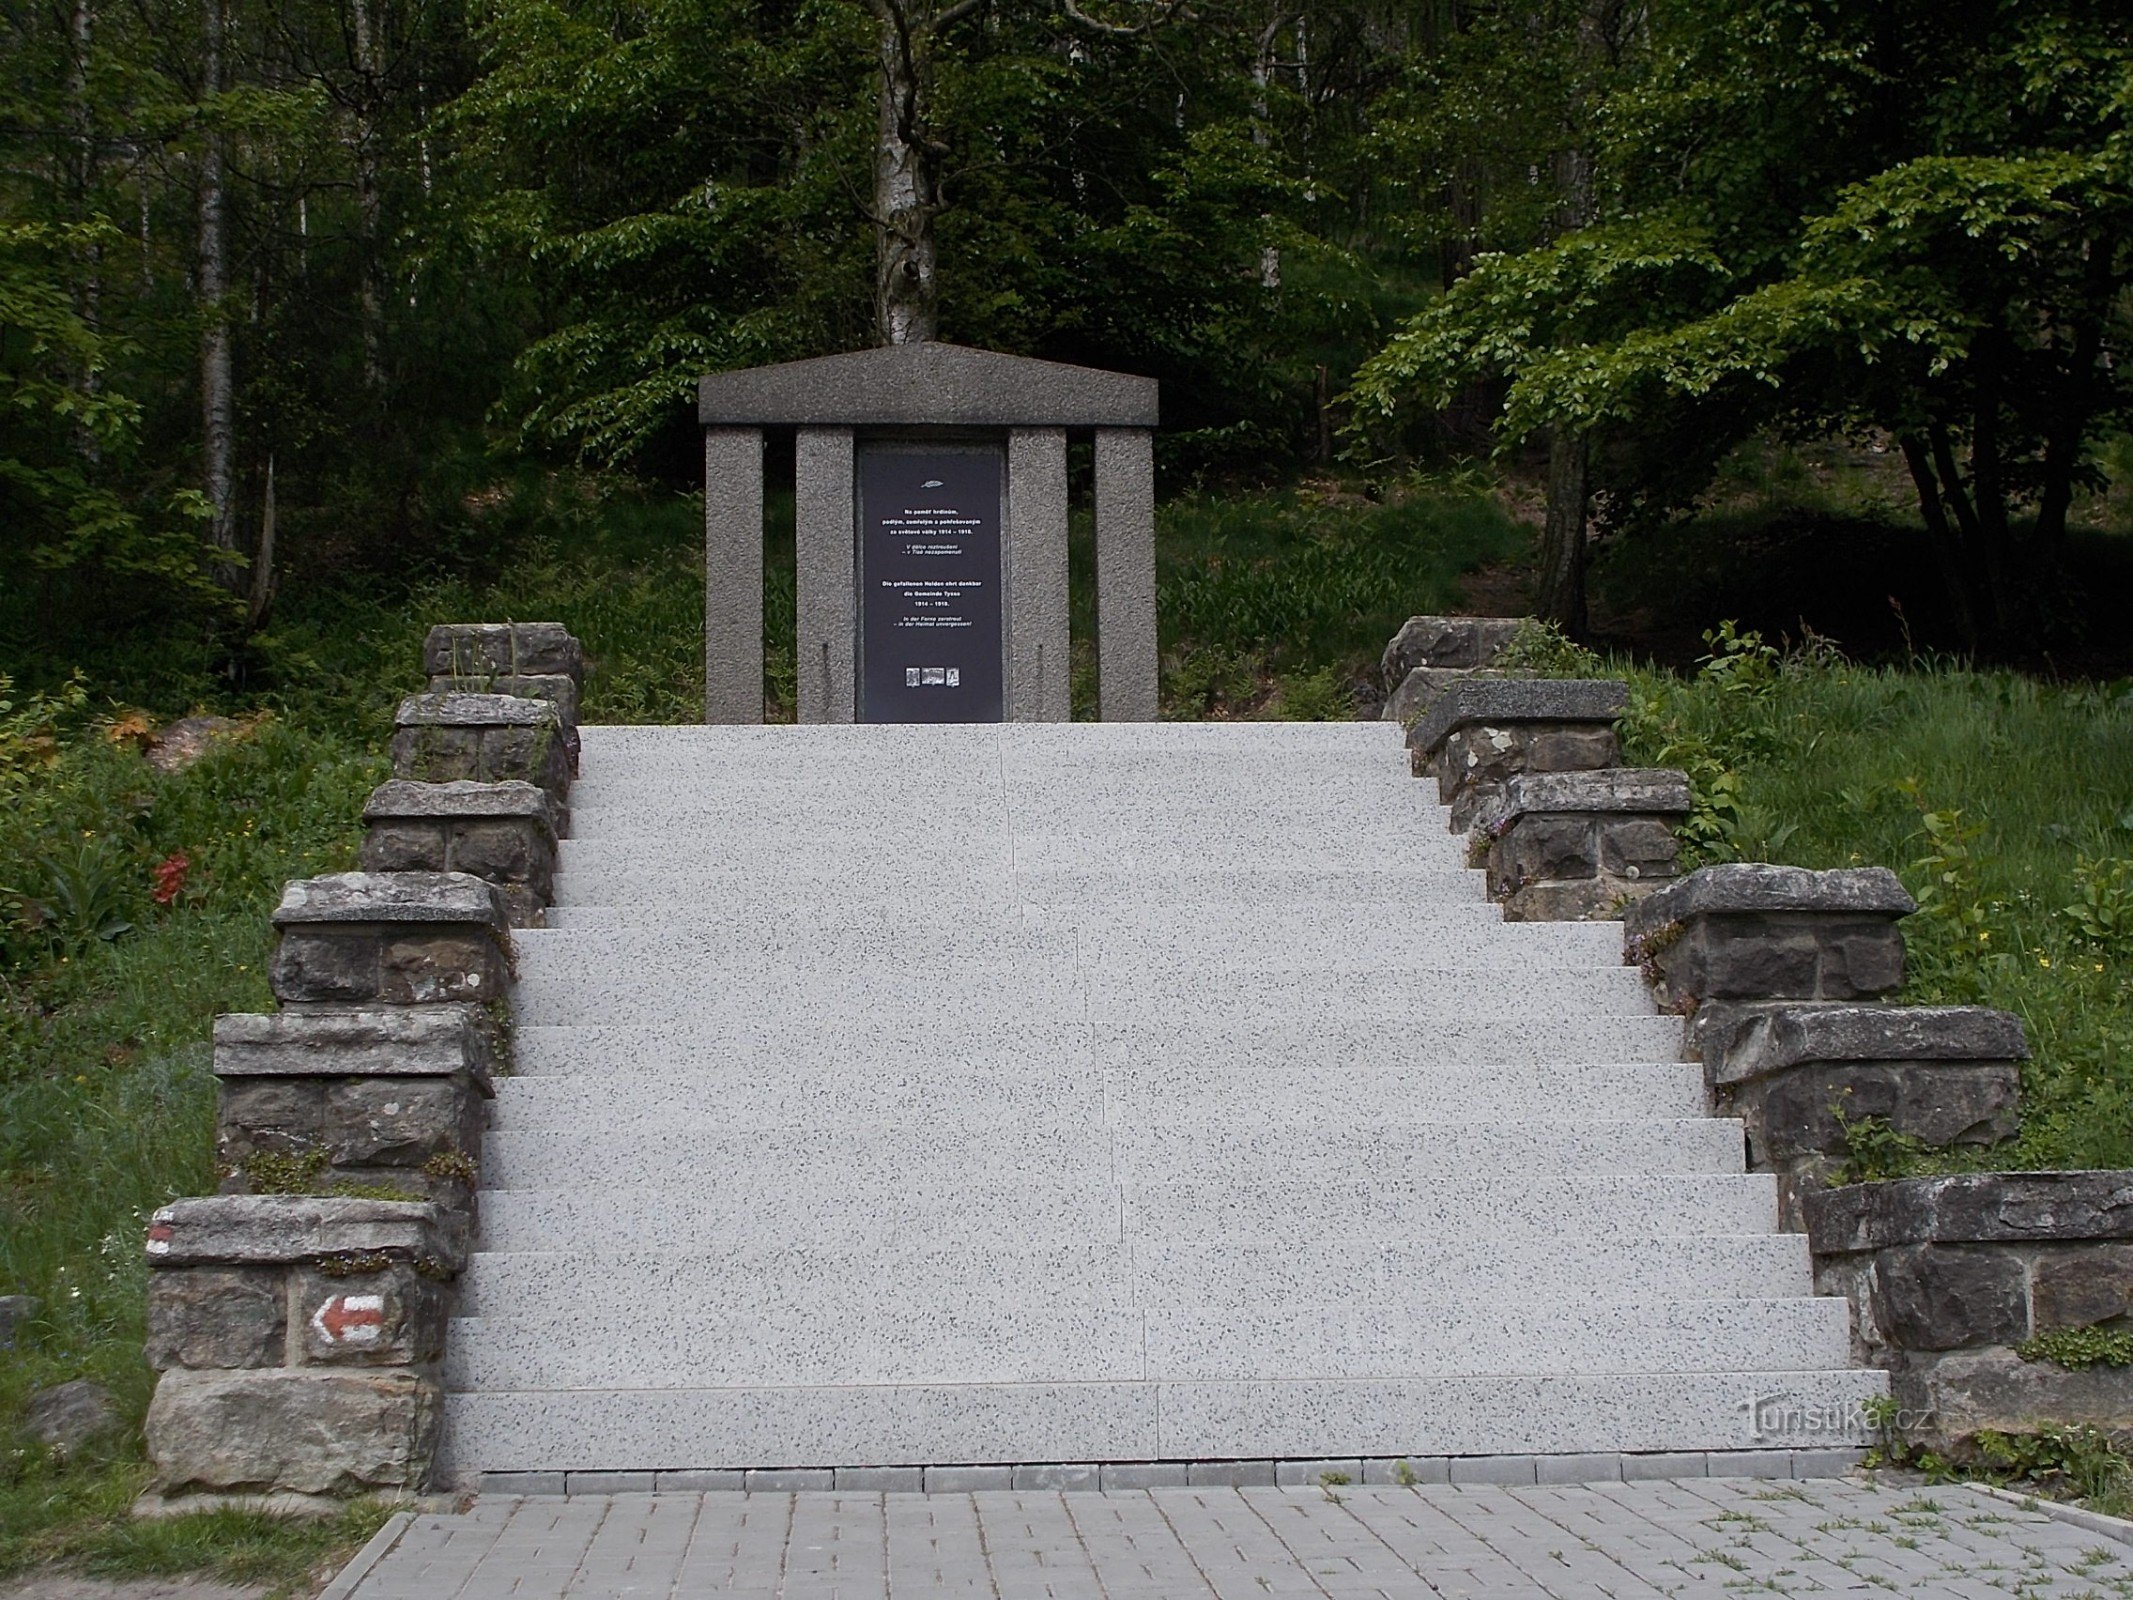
(929, 572)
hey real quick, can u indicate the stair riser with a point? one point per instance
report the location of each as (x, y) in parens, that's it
(1191, 1045)
(813, 1426)
(1388, 1282)
(1355, 945)
(817, 886)
(555, 992)
(972, 1159)
(1023, 1090)
(735, 1350)
(734, 1210)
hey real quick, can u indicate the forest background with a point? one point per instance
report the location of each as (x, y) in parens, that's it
(295, 295)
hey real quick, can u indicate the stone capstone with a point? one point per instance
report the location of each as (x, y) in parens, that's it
(402, 1041)
(396, 938)
(1972, 1207)
(276, 1230)
(557, 689)
(502, 649)
(1424, 686)
(1752, 932)
(1512, 700)
(1460, 643)
(504, 833)
(69, 1415)
(300, 1430)
(1796, 1074)
(488, 738)
(1566, 846)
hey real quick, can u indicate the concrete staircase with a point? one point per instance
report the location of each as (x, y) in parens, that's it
(1093, 1093)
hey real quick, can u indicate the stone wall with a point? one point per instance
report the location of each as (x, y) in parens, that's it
(1966, 1287)
(1974, 1292)
(297, 1320)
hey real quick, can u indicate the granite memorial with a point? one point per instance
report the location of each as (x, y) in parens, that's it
(930, 526)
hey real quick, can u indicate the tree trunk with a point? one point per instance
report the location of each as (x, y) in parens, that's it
(907, 195)
(218, 420)
(263, 575)
(1985, 599)
(1560, 593)
(370, 293)
(90, 301)
(1948, 552)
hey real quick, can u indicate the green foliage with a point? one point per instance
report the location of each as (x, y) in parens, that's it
(106, 1093)
(2102, 910)
(1992, 794)
(1828, 219)
(1305, 590)
(1874, 1151)
(2074, 1463)
(1546, 651)
(2078, 1349)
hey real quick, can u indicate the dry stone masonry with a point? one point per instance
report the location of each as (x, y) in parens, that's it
(1964, 1286)
(1564, 846)
(297, 1321)
(1996, 1301)
(1477, 735)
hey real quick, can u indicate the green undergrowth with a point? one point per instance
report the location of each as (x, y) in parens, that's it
(1279, 605)
(77, 1515)
(2003, 802)
(133, 909)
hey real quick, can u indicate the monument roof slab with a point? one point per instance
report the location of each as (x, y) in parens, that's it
(926, 385)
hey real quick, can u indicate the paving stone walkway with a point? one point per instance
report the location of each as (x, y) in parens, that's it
(1625, 1541)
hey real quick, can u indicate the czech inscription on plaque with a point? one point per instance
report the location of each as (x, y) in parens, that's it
(929, 564)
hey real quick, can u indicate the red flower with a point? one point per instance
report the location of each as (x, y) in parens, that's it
(169, 874)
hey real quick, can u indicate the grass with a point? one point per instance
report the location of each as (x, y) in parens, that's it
(2004, 803)
(106, 1100)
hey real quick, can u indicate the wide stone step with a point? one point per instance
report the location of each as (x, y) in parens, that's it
(667, 885)
(735, 1209)
(1209, 921)
(818, 1425)
(556, 992)
(1190, 1043)
(981, 855)
(1007, 1088)
(1237, 944)
(716, 1346)
(1247, 1276)
(927, 1154)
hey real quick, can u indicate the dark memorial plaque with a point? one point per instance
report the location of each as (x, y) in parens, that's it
(929, 575)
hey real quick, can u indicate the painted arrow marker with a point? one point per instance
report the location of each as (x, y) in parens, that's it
(350, 1319)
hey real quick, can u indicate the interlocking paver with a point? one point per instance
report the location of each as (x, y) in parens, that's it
(1680, 1540)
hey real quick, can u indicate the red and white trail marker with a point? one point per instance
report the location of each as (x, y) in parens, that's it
(350, 1319)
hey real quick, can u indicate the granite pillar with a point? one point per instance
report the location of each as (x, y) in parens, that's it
(1040, 656)
(733, 575)
(1126, 650)
(825, 533)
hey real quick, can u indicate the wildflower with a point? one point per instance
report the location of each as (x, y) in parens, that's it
(169, 875)
(2044, 961)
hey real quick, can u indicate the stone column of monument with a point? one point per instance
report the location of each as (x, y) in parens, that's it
(1126, 661)
(1039, 649)
(733, 575)
(828, 597)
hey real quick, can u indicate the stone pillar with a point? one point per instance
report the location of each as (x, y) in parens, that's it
(483, 738)
(391, 938)
(1039, 650)
(1746, 931)
(534, 660)
(733, 575)
(1944, 1076)
(1126, 651)
(825, 526)
(1978, 1292)
(299, 1343)
(504, 832)
(1481, 732)
(1432, 654)
(1565, 846)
